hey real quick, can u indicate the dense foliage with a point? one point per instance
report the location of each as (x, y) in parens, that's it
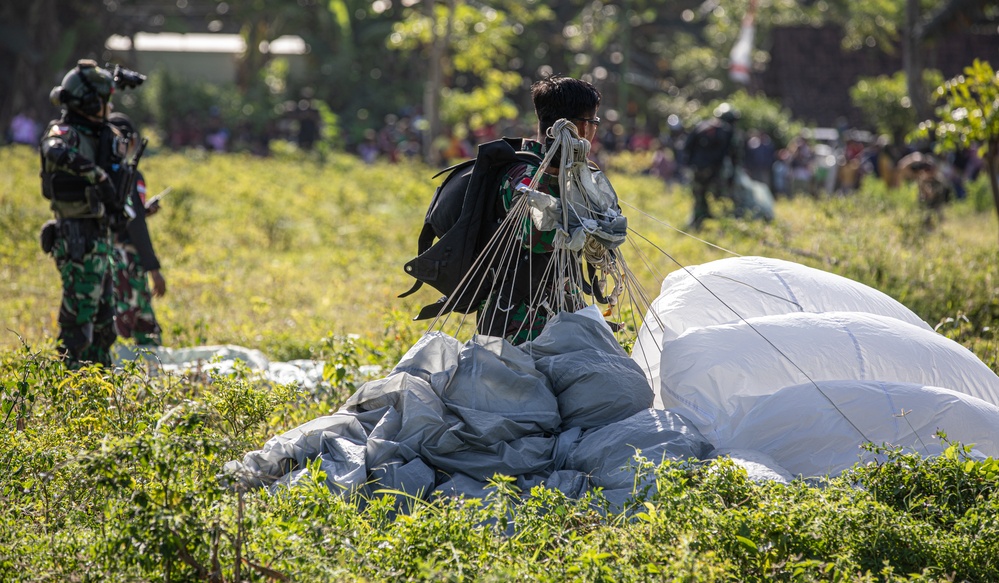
(114, 475)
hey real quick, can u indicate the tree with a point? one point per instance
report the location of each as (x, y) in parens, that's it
(969, 115)
(909, 25)
(469, 48)
(885, 102)
(39, 41)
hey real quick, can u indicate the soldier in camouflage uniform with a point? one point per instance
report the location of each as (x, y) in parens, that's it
(520, 315)
(134, 258)
(79, 154)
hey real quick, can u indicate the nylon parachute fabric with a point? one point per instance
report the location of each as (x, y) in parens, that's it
(451, 415)
(729, 290)
(805, 367)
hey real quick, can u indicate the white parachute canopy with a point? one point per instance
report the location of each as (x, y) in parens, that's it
(906, 415)
(805, 366)
(740, 288)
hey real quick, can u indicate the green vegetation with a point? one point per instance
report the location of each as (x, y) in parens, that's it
(969, 115)
(115, 476)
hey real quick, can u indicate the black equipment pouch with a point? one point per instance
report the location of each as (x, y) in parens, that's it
(47, 236)
(64, 187)
(117, 222)
(94, 200)
(76, 240)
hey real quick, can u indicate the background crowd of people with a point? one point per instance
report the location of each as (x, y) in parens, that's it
(833, 161)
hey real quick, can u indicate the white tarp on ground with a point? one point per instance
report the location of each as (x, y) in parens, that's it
(224, 359)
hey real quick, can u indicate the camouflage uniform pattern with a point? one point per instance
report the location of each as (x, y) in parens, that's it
(520, 321)
(134, 317)
(82, 248)
(86, 315)
(71, 149)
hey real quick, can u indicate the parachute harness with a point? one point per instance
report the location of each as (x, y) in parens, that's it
(586, 217)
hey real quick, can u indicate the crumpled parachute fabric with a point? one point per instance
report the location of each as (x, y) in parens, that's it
(569, 409)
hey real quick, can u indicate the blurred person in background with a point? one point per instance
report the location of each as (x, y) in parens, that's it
(135, 261)
(709, 147)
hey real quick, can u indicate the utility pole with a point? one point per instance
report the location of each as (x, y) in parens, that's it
(912, 62)
(622, 86)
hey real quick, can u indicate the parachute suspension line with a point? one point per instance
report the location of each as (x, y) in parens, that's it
(760, 334)
(497, 247)
(681, 231)
(758, 290)
(587, 225)
(905, 415)
(640, 303)
(513, 246)
(578, 208)
(549, 280)
(636, 293)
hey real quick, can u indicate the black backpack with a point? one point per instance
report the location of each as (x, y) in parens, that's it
(464, 214)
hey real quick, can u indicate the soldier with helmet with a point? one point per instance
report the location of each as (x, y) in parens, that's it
(81, 156)
(134, 262)
(709, 146)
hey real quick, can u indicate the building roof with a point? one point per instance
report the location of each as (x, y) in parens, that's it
(171, 42)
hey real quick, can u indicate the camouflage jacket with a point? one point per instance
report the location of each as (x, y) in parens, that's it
(72, 162)
(521, 174)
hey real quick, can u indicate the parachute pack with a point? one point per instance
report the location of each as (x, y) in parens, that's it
(464, 213)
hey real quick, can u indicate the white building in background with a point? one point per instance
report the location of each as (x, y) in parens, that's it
(200, 56)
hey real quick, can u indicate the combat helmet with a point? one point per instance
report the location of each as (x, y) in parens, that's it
(86, 88)
(727, 113)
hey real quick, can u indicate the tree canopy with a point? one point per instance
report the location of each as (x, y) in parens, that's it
(369, 58)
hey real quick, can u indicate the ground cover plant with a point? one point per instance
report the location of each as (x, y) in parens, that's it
(115, 475)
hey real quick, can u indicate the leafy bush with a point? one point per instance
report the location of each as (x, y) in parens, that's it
(885, 102)
(761, 113)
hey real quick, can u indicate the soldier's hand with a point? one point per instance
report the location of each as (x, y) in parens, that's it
(159, 284)
(153, 208)
(118, 222)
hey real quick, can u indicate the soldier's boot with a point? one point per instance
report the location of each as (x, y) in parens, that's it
(74, 340)
(99, 350)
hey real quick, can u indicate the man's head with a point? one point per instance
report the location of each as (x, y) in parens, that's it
(123, 123)
(558, 97)
(727, 113)
(86, 89)
(128, 130)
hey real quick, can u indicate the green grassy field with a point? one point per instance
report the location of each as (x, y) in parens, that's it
(278, 253)
(114, 476)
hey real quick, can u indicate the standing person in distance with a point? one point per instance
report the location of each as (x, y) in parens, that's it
(135, 261)
(79, 154)
(709, 146)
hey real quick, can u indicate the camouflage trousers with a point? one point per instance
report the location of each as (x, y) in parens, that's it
(133, 302)
(86, 315)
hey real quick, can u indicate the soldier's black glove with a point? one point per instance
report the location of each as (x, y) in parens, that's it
(117, 221)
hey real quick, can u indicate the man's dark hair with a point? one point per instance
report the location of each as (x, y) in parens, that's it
(558, 97)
